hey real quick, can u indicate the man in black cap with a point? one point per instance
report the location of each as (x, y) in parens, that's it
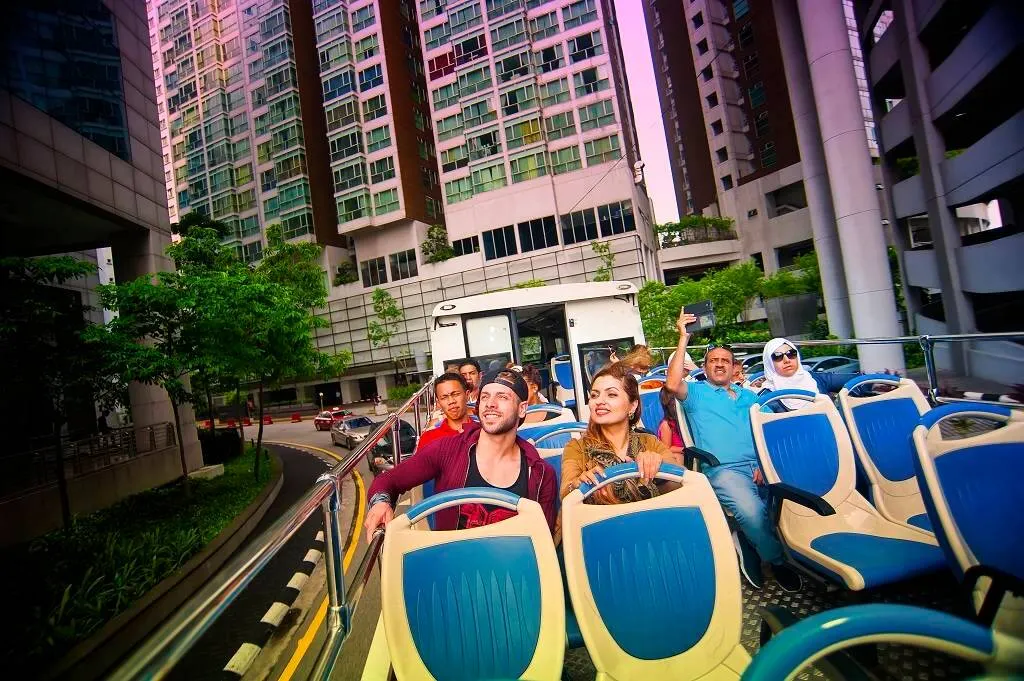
(489, 456)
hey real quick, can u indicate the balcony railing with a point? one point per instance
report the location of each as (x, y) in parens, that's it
(697, 235)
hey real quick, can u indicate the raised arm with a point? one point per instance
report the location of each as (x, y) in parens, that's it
(675, 381)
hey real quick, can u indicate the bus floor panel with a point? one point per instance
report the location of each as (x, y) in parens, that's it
(894, 662)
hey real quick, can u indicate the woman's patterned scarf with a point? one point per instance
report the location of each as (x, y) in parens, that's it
(633, 489)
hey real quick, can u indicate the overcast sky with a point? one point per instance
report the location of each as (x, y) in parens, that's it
(646, 109)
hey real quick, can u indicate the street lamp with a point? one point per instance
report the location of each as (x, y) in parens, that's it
(321, 401)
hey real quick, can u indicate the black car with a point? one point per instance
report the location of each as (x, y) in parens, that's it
(381, 457)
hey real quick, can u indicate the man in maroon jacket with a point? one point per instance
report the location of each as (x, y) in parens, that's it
(489, 456)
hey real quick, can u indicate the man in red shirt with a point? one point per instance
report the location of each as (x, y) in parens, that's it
(452, 393)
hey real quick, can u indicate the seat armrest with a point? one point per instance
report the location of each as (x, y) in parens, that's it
(1001, 583)
(690, 454)
(780, 491)
(839, 665)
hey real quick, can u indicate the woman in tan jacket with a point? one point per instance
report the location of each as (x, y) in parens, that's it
(614, 411)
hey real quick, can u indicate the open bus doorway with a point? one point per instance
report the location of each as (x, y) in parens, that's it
(541, 335)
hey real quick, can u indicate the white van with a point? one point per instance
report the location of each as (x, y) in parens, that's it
(567, 331)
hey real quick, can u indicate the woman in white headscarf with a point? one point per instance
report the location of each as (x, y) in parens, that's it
(783, 370)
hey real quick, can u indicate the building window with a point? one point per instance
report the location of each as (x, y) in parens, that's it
(478, 113)
(364, 17)
(425, 149)
(338, 85)
(378, 138)
(707, 73)
(597, 115)
(565, 160)
(367, 47)
(297, 225)
(616, 218)
(579, 227)
(403, 264)
(555, 92)
(722, 154)
(431, 8)
(499, 8)
(458, 190)
(727, 182)
(433, 207)
(579, 13)
(466, 18)
(470, 49)
(343, 146)
(437, 36)
(375, 107)
(353, 207)
(474, 81)
(252, 252)
(585, 46)
(499, 243)
(331, 56)
(602, 150)
(740, 8)
(522, 133)
(441, 65)
(537, 234)
(702, 46)
(761, 125)
(382, 170)
(560, 125)
(528, 167)
(697, 20)
(588, 82)
(519, 99)
(373, 272)
(716, 128)
(508, 35)
(454, 158)
(484, 145)
(757, 95)
(544, 26)
(550, 58)
(342, 114)
(471, 244)
(712, 100)
(448, 127)
(768, 154)
(751, 65)
(370, 78)
(512, 67)
(745, 35)
(488, 178)
(349, 176)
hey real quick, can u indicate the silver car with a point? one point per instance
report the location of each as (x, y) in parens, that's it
(349, 432)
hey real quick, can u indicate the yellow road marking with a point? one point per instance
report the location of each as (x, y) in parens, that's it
(307, 639)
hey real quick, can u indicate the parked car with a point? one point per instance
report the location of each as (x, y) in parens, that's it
(832, 364)
(325, 419)
(382, 456)
(351, 430)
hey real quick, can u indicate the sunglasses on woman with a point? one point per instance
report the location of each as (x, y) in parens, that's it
(791, 354)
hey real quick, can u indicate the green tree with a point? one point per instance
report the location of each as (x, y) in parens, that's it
(730, 290)
(380, 331)
(436, 247)
(603, 250)
(295, 265)
(346, 273)
(41, 336)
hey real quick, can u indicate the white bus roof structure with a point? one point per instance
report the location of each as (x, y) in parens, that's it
(527, 297)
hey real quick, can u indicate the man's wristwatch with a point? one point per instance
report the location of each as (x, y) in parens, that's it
(377, 498)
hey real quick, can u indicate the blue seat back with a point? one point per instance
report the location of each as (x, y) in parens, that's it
(651, 411)
(551, 434)
(972, 489)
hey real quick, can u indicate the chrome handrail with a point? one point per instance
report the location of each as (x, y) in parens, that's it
(926, 341)
(162, 649)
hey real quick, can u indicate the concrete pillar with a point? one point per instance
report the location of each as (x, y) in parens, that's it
(812, 161)
(931, 152)
(848, 162)
(136, 254)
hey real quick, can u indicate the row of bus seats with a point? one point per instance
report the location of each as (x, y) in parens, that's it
(655, 585)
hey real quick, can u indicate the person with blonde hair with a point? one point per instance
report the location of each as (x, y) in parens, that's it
(610, 439)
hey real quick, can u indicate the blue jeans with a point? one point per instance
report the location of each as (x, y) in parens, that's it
(734, 486)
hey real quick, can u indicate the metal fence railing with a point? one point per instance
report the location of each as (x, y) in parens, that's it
(25, 471)
(165, 647)
(927, 343)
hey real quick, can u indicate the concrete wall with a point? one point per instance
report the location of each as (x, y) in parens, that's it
(38, 512)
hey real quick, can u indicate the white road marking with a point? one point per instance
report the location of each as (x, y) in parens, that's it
(275, 614)
(312, 556)
(242, 659)
(320, 535)
(297, 580)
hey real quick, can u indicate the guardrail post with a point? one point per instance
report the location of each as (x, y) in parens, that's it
(416, 415)
(396, 449)
(337, 612)
(928, 346)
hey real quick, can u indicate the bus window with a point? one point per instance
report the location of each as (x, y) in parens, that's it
(595, 356)
(490, 335)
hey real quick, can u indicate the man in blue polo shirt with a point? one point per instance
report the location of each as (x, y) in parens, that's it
(718, 413)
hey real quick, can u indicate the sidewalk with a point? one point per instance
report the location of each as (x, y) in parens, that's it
(950, 382)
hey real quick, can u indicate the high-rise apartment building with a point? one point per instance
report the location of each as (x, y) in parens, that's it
(730, 133)
(943, 77)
